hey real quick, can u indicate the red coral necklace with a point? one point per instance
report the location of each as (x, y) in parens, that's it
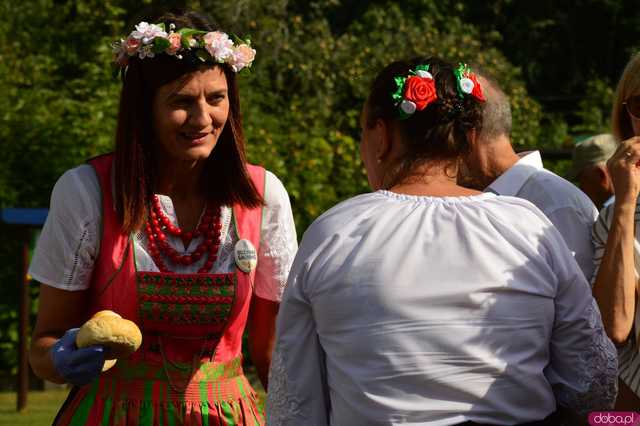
(159, 225)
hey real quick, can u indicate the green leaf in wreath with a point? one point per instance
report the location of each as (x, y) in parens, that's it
(202, 55)
(190, 32)
(160, 44)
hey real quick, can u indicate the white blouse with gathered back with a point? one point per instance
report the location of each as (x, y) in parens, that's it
(436, 310)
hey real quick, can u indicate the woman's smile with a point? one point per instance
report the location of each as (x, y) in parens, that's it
(195, 139)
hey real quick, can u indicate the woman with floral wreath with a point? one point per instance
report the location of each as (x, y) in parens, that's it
(428, 303)
(174, 231)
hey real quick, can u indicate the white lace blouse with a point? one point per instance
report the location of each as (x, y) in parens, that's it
(424, 310)
(70, 240)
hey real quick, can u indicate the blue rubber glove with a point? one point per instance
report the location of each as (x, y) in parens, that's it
(76, 366)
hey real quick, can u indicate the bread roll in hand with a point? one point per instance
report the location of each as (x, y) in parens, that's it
(120, 336)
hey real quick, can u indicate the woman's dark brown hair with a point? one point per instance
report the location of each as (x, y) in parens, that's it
(225, 179)
(438, 132)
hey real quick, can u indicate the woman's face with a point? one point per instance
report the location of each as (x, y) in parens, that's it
(189, 114)
(634, 118)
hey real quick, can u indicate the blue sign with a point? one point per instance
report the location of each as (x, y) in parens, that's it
(35, 217)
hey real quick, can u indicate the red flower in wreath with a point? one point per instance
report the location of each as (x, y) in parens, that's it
(477, 89)
(420, 90)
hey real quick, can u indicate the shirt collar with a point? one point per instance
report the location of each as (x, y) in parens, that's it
(610, 201)
(511, 181)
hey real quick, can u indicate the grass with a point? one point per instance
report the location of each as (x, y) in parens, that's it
(41, 408)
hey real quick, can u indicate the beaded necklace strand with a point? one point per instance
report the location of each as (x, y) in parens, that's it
(159, 226)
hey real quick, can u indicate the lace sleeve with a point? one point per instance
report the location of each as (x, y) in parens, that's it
(298, 391)
(278, 241)
(69, 242)
(280, 405)
(596, 388)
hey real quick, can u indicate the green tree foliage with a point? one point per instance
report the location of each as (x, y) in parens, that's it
(594, 109)
(571, 54)
(57, 108)
(59, 100)
(303, 100)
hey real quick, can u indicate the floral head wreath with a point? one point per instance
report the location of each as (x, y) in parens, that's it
(417, 90)
(149, 40)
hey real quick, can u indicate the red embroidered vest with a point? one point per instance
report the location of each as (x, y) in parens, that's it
(205, 307)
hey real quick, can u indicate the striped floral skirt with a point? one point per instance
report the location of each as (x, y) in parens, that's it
(143, 394)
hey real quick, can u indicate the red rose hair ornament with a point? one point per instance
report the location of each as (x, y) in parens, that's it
(414, 92)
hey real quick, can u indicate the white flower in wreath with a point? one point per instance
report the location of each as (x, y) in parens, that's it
(147, 32)
(146, 52)
(466, 85)
(424, 74)
(218, 44)
(408, 107)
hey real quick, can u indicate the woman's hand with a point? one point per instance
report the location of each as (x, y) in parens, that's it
(614, 287)
(77, 366)
(58, 312)
(625, 172)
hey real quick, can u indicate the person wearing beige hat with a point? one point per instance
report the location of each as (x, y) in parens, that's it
(589, 167)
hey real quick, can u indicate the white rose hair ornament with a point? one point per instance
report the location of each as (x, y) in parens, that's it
(468, 83)
(148, 40)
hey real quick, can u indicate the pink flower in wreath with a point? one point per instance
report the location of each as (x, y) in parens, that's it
(174, 43)
(243, 56)
(120, 57)
(132, 45)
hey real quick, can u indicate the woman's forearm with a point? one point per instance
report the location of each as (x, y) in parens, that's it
(615, 284)
(41, 361)
(262, 360)
(262, 330)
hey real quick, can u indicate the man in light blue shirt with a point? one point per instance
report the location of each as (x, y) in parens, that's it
(493, 166)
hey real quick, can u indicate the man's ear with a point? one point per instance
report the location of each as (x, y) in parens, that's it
(603, 175)
(387, 140)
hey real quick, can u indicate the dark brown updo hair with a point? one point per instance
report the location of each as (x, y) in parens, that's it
(225, 180)
(438, 132)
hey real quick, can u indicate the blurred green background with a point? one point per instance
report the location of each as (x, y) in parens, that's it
(558, 61)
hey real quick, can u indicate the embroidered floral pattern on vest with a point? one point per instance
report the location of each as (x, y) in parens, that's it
(186, 298)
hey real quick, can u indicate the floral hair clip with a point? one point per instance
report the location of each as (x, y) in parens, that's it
(414, 92)
(149, 40)
(468, 83)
